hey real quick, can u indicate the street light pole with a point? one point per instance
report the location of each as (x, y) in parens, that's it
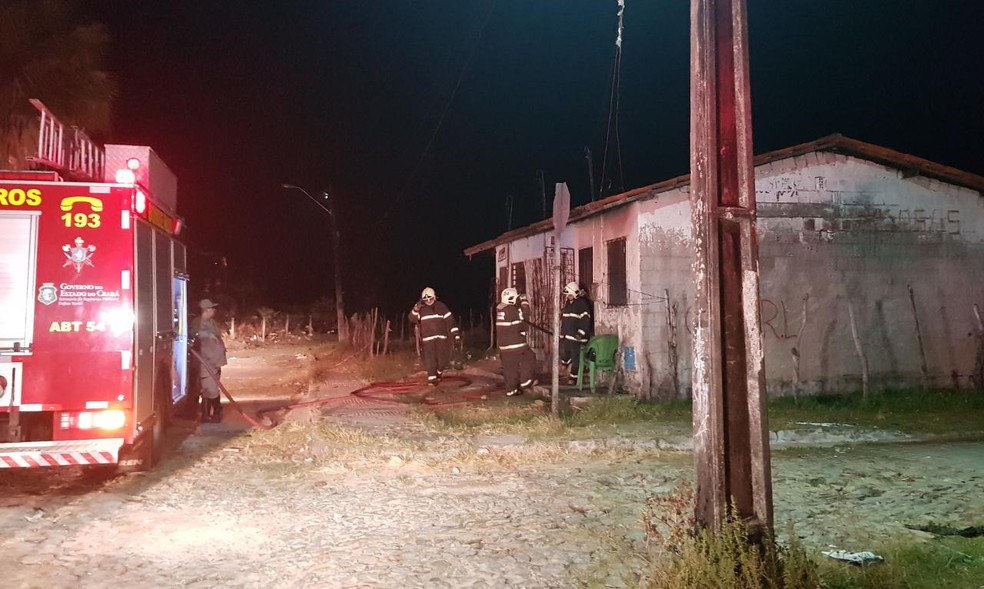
(343, 336)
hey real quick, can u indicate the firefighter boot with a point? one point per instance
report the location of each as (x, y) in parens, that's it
(205, 410)
(216, 410)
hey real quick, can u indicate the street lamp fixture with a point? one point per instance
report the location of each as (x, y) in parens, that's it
(333, 229)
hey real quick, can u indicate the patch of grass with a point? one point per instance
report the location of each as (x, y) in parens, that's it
(606, 411)
(292, 443)
(682, 558)
(393, 366)
(957, 563)
(938, 412)
(498, 416)
(532, 417)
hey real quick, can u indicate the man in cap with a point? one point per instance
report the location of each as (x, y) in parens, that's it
(437, 326)
(207, 333)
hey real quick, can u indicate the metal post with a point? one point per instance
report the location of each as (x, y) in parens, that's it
(590, 162)
(731, 450)
(555, 360)
(343, 331)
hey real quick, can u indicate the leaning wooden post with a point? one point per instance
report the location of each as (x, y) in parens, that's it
(797, 350)
(731, 447)
(673, 358)
(979, 363)
(371, 317)
(857, 346)
(922, 348)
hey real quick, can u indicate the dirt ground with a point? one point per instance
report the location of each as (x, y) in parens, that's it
(422, 508)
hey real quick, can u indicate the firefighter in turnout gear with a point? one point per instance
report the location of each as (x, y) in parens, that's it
(437, 327)
(510, 335)
(576, 327)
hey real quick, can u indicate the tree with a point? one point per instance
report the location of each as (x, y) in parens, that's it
(46, 54)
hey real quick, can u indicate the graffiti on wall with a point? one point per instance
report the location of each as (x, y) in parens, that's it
(775, 319)
(929, 220)
(857, 209)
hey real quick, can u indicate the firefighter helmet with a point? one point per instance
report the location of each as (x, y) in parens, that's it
(428, 294)
(572, 289)
(510, 296)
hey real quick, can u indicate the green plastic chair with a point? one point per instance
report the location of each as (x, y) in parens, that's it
(599, 355)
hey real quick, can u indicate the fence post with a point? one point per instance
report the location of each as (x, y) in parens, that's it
(797, 350)
(857, 346)
(671, 343)
(922, 350)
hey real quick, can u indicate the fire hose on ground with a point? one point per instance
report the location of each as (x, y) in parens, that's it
(370, 391)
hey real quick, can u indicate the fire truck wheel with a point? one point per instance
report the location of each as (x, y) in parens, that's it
(147, 452)
(162, 410)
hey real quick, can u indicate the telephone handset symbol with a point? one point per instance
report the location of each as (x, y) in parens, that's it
(78, 220)
(95, 204)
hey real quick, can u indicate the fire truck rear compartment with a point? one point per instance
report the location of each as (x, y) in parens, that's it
(26, 426)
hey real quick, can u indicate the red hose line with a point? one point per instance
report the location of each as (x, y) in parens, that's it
(393, 387)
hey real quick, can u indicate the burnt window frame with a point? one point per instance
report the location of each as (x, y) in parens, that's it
(585, 271)
(617, 272)
(517, 276)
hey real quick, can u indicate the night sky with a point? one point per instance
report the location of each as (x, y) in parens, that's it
(423, 117)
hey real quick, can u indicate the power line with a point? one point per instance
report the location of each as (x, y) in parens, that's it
(613, 109)
(440, 122)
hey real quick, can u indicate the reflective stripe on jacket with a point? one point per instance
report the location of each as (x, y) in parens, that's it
(436, 321)
(575, 321)
(510, 326)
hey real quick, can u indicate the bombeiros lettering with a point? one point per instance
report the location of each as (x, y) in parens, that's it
(18, 197)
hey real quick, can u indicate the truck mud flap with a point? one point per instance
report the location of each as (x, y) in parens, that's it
(64, 453)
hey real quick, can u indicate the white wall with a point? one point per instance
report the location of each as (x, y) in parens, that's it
(833, 230)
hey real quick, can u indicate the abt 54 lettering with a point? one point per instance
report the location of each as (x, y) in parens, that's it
(76, 326)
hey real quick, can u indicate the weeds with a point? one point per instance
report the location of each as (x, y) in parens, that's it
(393, 366)
(682, 558)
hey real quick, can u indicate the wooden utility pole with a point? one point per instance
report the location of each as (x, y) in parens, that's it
(343, 331)
(731, 448)
(590, 162)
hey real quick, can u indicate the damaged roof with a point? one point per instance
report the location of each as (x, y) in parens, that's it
(910, 166)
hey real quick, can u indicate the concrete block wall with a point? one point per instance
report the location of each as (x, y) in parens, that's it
(834, 231)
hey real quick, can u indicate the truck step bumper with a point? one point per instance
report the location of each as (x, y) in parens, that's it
(66, 453)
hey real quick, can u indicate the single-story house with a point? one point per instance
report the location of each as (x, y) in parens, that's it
(845, 228)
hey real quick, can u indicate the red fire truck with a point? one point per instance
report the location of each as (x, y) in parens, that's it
(93, 304)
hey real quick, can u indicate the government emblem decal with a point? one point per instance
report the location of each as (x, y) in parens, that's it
(79, 255)
(47, 294)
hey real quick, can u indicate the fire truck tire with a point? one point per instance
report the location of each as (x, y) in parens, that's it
(138, 456)
(162, 410)
(146, 453)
